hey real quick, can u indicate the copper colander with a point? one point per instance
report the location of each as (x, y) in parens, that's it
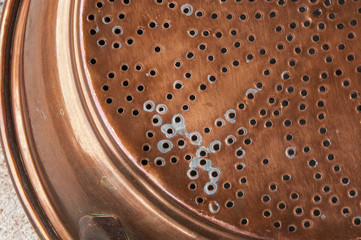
(161, 119)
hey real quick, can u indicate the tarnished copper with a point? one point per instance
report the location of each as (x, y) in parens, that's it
(157, 119)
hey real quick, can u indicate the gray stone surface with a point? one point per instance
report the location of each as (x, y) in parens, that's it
(14, 223)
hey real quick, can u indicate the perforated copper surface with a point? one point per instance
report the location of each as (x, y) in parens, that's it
(246, 112)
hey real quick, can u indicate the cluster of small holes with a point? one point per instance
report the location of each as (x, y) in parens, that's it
(279, 90)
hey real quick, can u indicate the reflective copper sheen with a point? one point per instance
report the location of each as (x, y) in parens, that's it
(214, 119)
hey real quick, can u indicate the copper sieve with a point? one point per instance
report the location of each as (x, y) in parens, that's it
(181, 119)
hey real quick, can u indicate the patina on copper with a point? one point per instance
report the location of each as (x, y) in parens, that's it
(214, 119)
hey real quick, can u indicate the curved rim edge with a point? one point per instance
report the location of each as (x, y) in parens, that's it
(9, 142)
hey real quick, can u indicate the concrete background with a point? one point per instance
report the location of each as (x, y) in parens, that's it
(14, 223)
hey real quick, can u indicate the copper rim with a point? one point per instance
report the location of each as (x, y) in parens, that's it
(207, 120)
